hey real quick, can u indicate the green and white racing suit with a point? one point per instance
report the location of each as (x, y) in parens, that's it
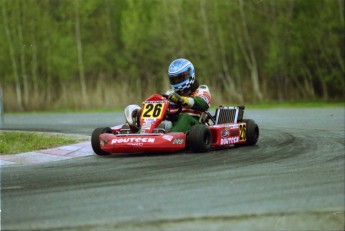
(199, 102)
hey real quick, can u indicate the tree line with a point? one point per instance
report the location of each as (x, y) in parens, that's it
(108, 53)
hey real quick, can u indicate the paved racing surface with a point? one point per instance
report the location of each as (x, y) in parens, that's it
(292, 180)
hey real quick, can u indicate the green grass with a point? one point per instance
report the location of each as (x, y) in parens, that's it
(292, 104)
(297, 104)
(18, 142)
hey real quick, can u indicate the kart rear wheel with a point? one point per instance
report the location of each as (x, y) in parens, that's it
(252, 133)
(95, 140)
(199, 138)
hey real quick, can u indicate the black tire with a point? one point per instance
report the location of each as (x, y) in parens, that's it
(199, 138)
(252, 133)
(95, 140)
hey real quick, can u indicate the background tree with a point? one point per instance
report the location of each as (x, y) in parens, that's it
(104, 53)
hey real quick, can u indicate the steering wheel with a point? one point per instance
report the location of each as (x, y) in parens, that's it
(173, 105)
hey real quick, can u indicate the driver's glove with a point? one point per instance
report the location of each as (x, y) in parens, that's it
(176, 98)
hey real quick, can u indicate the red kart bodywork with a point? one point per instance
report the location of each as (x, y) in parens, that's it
(134, 143)
(154, 111)
(222, 135)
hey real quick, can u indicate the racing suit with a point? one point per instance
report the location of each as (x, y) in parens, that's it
(199, 102)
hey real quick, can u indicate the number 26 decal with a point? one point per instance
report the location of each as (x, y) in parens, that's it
(243, 129)
(152, 110)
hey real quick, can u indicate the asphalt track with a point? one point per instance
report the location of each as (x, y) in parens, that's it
(292, 180)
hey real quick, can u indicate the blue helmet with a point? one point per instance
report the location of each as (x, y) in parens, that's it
(181, 75)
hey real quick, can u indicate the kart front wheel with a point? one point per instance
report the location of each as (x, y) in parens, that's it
(199, 138)
(95, 140)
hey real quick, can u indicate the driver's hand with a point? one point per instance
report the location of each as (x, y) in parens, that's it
(176, 98)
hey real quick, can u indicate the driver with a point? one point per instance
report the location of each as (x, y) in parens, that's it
(186, 90)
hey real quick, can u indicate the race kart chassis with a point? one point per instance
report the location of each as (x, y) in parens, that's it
(227, 127)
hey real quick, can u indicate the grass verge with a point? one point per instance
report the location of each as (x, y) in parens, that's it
(18, 142)
(298, 104)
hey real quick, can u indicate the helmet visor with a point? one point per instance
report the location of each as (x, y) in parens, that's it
(176, 79)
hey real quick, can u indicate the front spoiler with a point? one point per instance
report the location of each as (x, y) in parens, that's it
(135, 143)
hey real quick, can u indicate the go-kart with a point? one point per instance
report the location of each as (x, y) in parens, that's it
(225, 128)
